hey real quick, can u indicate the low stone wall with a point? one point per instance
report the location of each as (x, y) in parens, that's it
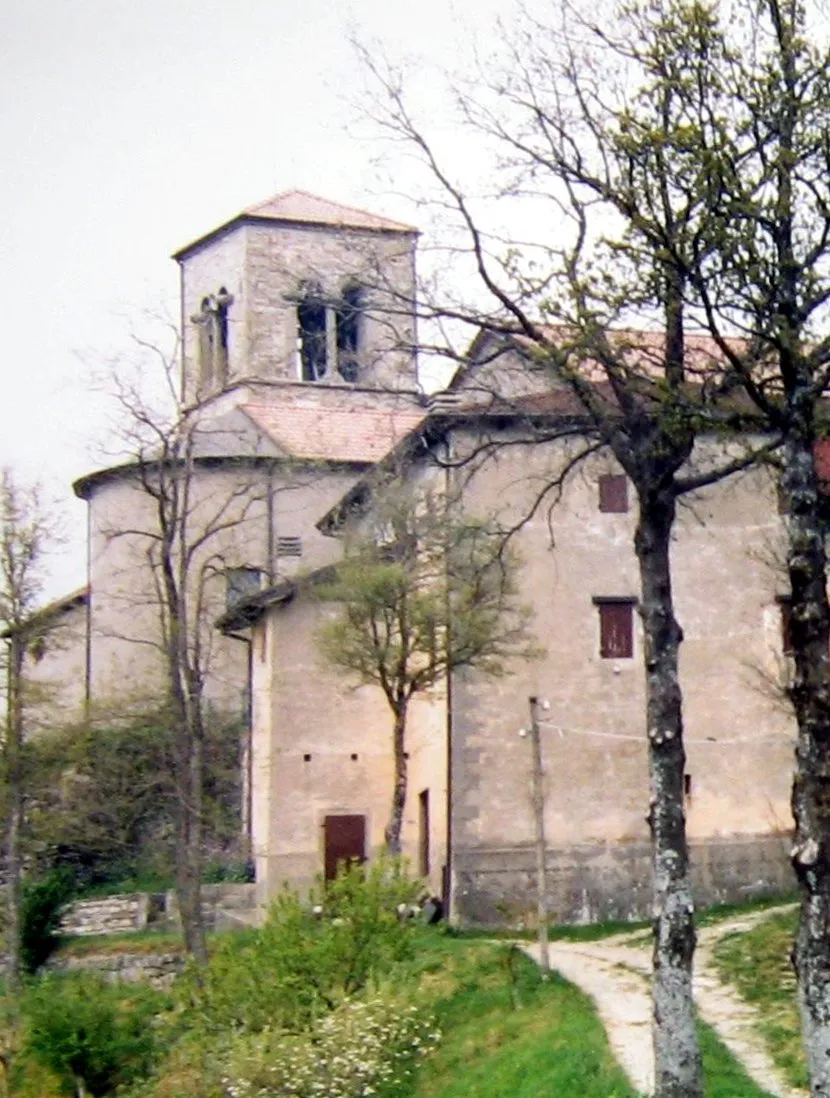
(593, 882)
(108, 915)
(158, 969)
(224, 906)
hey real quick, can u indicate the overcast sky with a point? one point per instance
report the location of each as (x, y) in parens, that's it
(130, 128)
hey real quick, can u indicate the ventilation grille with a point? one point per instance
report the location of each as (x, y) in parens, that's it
(289, 547)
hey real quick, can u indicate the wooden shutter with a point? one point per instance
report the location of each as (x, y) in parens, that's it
(613, 493)
(616, 629)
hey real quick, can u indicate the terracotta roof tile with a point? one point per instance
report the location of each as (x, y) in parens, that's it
(314, 210)
(362, 435)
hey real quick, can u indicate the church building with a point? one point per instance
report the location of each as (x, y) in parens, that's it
(299, 380)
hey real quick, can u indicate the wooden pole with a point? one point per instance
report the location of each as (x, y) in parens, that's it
(538, 798)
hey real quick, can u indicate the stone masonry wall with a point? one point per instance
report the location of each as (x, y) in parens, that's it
(593, 882)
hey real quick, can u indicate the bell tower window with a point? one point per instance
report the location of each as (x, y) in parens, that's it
(212, 322)
(348, 333)
(311, 324)
(329, 334)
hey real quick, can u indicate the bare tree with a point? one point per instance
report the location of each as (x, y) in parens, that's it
(764, 269)
(424, 592)
(592, 128)
(186, 530)
(27, 532)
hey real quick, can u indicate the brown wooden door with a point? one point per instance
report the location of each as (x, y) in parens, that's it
(345, 841)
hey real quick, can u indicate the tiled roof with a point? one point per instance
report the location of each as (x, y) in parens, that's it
(300, 207)
(642, 351)
(314, 210)
(362, 435)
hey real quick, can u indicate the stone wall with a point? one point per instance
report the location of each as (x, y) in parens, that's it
(108, 915)
(592, 882)
(158, 969)
(224, 906)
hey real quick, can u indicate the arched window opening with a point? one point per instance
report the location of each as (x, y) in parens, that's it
(212, 322)
(348, 333)
(311, 323)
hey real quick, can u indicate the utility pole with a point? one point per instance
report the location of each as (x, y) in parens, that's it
(538, 799)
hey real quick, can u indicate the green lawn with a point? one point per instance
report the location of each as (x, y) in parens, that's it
(506, 1032)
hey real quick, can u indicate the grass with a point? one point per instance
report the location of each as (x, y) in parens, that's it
(508, 1032)
(757, 963)
(723, 1075)
(139, 942)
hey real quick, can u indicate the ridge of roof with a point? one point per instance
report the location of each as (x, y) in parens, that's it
(297, 207)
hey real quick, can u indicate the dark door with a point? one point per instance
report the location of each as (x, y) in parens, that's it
(423, 833)
(345, 840)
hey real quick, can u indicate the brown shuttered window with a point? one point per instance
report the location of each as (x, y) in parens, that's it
(616, 628)
(613, 493)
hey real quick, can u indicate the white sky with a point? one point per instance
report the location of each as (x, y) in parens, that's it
(129, 128)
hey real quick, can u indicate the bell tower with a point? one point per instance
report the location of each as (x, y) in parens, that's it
(300, 291)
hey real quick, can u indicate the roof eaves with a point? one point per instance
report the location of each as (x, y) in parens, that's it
(248, 611)
(49, 613)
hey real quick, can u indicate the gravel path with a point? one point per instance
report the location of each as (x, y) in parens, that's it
(615, 973)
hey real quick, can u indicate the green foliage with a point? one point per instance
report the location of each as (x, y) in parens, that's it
(79, 1027)
(104, 799)
(40, 911)
(301, 965)
(423, 590)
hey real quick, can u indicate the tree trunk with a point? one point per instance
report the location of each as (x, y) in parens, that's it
(188, 752)
(14, 779)
(810, 693)
(189, 833)
(393, 828)
(677, 1067)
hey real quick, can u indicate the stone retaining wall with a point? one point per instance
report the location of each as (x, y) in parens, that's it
(108, 915)
(158, 969)
(223, 906)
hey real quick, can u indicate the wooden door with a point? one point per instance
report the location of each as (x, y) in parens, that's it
(345, 841)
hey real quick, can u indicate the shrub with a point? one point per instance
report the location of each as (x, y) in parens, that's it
(40, 914)
(81, 1028)
(362, 1048)
(301, 964)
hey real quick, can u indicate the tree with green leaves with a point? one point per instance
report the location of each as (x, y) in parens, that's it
(423, 591)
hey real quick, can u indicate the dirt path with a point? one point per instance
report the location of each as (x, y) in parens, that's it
(615, 973)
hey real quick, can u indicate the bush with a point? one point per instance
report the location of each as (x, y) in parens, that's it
(362, 1048)
(40, 915)
(301, 965)
(81, 1028)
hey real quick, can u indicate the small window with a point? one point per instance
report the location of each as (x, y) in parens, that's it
(785, 610)
(289, 547)
(687, 785)
(613, 493)
(241, 582)
(616, 627)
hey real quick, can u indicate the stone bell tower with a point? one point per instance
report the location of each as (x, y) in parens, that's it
(300, 291)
